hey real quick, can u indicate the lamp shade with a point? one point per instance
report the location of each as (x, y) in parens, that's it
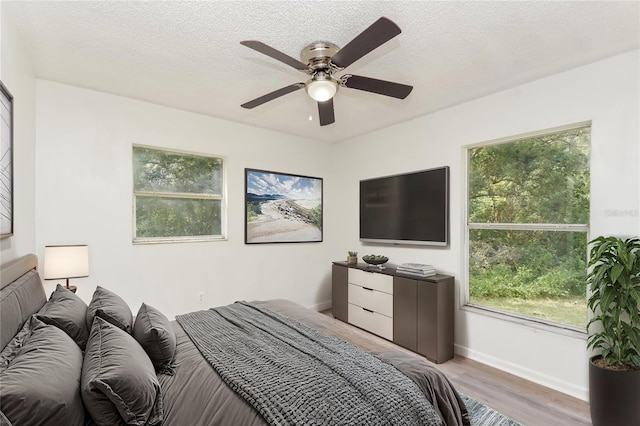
(66, 262)
(321, 90)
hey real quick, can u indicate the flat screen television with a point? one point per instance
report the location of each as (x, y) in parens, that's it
(411, 208)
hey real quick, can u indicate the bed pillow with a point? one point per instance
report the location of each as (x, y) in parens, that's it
(119, 383)
(154, 333)
(42, 383)
(110, 307)
(68, 312)
(19, 300)
(10, 351)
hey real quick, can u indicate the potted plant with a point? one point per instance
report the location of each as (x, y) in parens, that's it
(614, 374)
(352, 259)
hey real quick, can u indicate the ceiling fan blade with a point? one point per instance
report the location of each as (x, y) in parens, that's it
(376, 35)
(273, 95)
(381, 87)
(325, 111)
(275, 54)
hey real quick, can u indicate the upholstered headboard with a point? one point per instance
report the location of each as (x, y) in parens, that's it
(21, 295)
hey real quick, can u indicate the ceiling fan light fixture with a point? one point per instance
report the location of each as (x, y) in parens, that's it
(321, 89)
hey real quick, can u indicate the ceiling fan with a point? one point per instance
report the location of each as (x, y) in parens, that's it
(322, 59)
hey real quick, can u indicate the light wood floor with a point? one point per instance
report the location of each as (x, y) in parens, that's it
(527, 402)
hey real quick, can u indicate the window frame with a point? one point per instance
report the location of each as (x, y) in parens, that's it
(465, 304)
(180, 195)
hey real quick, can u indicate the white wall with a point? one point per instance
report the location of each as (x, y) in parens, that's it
(606, 93)
(17, 75)
(84, 195)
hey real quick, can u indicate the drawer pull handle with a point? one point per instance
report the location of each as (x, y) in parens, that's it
(367, 288)
(368, 310)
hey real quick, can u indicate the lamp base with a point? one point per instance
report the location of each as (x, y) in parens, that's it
(72, 288)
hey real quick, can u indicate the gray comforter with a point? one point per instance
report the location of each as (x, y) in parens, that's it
(197, 395)
(295, 375)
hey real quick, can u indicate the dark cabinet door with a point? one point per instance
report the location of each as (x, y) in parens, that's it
(340, 292)
(405, 293)
(435, 319)
(427, 320)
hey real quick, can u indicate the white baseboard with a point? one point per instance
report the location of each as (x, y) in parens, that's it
(526, 373)
(320, 306)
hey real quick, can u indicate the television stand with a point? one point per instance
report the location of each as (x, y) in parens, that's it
(414, 312)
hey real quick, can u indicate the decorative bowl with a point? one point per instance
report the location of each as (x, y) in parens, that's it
(375, 259)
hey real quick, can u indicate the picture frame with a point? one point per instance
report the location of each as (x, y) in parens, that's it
(6, 162)
(282, 208)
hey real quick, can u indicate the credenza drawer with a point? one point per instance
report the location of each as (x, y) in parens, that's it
(371, 321)
(376, 281)
(373, 300)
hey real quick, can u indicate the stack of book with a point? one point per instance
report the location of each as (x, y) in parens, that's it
(416, 269)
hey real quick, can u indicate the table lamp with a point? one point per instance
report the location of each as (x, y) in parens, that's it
(65, 262)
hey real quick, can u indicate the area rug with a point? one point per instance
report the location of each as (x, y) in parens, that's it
(481, 415)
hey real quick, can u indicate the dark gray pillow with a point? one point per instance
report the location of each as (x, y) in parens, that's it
(68, 312)
(42, 383)
(153, 331)
(109, 306)
(119, 383)
(20, 299)
(4, 421)
(10, 351)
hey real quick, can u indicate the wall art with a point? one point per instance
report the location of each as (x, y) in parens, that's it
(282, 208)
(6, 163)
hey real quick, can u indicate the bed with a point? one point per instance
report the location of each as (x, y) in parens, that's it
(64, 362)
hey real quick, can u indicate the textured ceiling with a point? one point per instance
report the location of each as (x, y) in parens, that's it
(188, 55)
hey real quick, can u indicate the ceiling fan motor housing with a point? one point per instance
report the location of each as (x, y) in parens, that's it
(318, 54)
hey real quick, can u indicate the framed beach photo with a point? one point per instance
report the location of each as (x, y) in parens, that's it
(6, 163)
(282, 208)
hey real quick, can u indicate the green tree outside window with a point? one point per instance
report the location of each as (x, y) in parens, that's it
(528, 215)
(177, 195)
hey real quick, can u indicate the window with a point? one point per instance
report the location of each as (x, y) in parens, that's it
(177, 196)
(527, 226)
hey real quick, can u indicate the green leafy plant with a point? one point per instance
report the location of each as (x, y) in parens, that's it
(614, 280)
(353, 253)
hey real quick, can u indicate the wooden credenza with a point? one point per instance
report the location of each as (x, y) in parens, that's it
(414, 312)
